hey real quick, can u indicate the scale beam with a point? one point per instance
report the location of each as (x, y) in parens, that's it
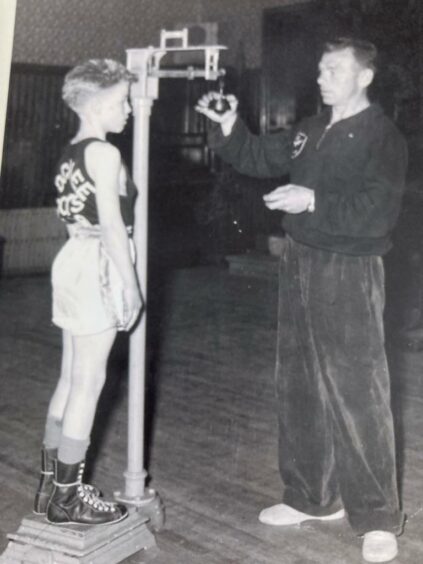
(146, 62)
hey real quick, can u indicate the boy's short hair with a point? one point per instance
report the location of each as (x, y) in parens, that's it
(91, 77)
(364, 51)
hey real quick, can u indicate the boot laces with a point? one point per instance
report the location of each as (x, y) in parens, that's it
(88, 488)
(88, 497)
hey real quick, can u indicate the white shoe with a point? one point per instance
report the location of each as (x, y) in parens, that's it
(282, 514)
(379, 546)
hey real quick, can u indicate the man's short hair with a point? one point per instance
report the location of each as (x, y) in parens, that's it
(91, 77)
(364, 51)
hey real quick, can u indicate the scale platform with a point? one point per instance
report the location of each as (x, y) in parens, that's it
(38, 542)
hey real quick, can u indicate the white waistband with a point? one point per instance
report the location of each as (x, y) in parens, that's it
(89, 231)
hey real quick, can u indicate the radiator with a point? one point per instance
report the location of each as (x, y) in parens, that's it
(32, 237)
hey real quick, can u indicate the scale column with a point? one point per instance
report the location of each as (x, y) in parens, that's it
(135, 474)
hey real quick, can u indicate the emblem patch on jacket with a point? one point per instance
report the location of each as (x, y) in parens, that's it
(298, 144)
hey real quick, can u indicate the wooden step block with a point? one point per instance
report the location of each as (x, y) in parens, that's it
(38, 542)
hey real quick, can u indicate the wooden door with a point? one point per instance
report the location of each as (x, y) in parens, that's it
(292, 40)
(292, 37)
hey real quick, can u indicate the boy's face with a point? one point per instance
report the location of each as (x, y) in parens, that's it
(112, 107)
(341, 78)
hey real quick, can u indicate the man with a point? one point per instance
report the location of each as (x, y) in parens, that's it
(347, 173)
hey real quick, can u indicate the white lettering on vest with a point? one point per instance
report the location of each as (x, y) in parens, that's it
(73, 203)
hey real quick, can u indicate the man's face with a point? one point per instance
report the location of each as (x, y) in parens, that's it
(341, 78)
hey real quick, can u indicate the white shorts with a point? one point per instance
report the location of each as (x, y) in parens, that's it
(87, 288)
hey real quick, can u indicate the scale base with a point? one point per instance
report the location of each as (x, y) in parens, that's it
(38, 542)
(149, 505)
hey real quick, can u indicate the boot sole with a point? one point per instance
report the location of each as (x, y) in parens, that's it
(87, 524)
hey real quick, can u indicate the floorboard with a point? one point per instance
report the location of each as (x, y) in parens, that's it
(211, 440)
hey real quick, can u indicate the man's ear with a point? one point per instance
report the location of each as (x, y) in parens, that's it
(366, 77)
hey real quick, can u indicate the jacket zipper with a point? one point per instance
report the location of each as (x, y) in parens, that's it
(323, 135)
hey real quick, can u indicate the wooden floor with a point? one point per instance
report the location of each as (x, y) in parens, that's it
(212, 448)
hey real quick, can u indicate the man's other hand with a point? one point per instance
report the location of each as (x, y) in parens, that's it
(290, 198)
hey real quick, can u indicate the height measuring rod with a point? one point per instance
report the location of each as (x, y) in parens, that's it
(146, 64)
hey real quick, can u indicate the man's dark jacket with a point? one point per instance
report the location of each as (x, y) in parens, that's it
(356, 167)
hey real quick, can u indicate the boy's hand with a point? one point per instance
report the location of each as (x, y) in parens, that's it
(133, 304)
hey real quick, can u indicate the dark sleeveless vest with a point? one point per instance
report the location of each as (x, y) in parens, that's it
(76, 200)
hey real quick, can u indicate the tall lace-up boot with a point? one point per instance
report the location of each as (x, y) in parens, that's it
(71, 503)
(45, 487)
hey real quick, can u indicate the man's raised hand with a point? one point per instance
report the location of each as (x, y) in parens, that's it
(226, 119)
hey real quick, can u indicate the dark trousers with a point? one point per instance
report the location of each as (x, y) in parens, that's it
(336, 438)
